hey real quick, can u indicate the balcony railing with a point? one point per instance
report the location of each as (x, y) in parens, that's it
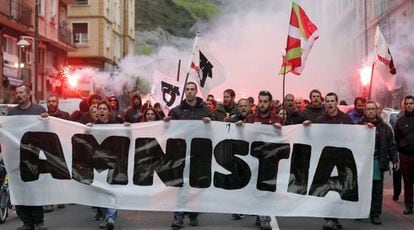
(17, 10)
(65, 35)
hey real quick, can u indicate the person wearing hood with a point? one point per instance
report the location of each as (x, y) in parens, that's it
(404, 137)
(315, 108)
(385, 151)
(191, 108)
(117, 114)
(133, 113)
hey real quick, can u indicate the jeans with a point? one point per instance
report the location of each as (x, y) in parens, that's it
(180, 215)
(110, 213)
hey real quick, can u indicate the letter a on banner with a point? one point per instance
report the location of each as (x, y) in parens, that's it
(166, 90)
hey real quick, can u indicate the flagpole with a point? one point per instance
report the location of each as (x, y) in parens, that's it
(370, 83)
(178, 70)
(189, 63)
(284, 66)
(284, 86)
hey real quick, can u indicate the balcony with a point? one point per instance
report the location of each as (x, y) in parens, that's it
(65, 35)
(18, 11)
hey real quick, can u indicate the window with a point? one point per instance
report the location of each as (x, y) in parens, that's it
(41, 8)
(80, 33)
(117, 48)
(82, 1)
(10, 45)
(108, 36)
(53, 8)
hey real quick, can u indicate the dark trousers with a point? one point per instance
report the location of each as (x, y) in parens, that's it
(396, 182)
(180, 215)
(377, 194)
(30, 215)
(407, 169)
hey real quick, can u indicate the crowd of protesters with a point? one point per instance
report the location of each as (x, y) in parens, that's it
(289, 111)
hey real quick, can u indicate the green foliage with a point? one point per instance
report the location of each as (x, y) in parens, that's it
(151, 14)
(175, 16)
(145, 50)
(199, 9)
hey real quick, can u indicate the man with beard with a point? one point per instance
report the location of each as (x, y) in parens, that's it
(293, 115)
(404, 137)
(133, 113)
(238, 118)
(332, 115)
(264, 115)
(228, 108)
(54, 111)
(357, 114)
(53, 108)
(315, 108)
(243, 106)
(32, 216)
(385, 151)
(191, 108)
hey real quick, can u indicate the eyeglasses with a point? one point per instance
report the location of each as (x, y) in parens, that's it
(112, 100)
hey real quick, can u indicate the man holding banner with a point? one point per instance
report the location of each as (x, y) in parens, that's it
(191, 108)
(264, 115)
(32, 216)
(332, 116)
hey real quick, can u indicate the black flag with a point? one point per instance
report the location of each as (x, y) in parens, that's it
(206, 69)
(171, 90)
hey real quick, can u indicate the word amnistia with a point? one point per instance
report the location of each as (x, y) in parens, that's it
(112, 155)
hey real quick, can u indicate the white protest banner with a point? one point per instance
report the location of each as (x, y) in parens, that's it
(322, 170)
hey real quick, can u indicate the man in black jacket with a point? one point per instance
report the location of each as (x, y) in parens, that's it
(293, 115)
(404, 137)
(315, 108)
(53, 108)
(332, 115)
(385, 151)
(191, 108)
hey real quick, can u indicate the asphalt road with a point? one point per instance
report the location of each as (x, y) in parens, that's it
(81, 217)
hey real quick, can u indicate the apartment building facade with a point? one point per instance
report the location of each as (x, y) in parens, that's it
(20, 63)
(103, 31)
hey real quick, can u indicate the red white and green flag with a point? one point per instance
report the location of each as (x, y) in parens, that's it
(302, 34)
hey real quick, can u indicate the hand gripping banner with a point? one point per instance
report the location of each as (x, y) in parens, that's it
(322, 170)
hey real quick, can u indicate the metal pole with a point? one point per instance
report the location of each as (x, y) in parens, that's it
(366, 26)
(370, 83)
(189, 64)
(36, 51)
(178, 71)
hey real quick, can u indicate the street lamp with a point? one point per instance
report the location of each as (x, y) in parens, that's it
(24, 43)
(21, 44)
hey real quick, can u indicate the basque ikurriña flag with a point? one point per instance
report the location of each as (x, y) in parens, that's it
(302, 34)
(382, 52)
